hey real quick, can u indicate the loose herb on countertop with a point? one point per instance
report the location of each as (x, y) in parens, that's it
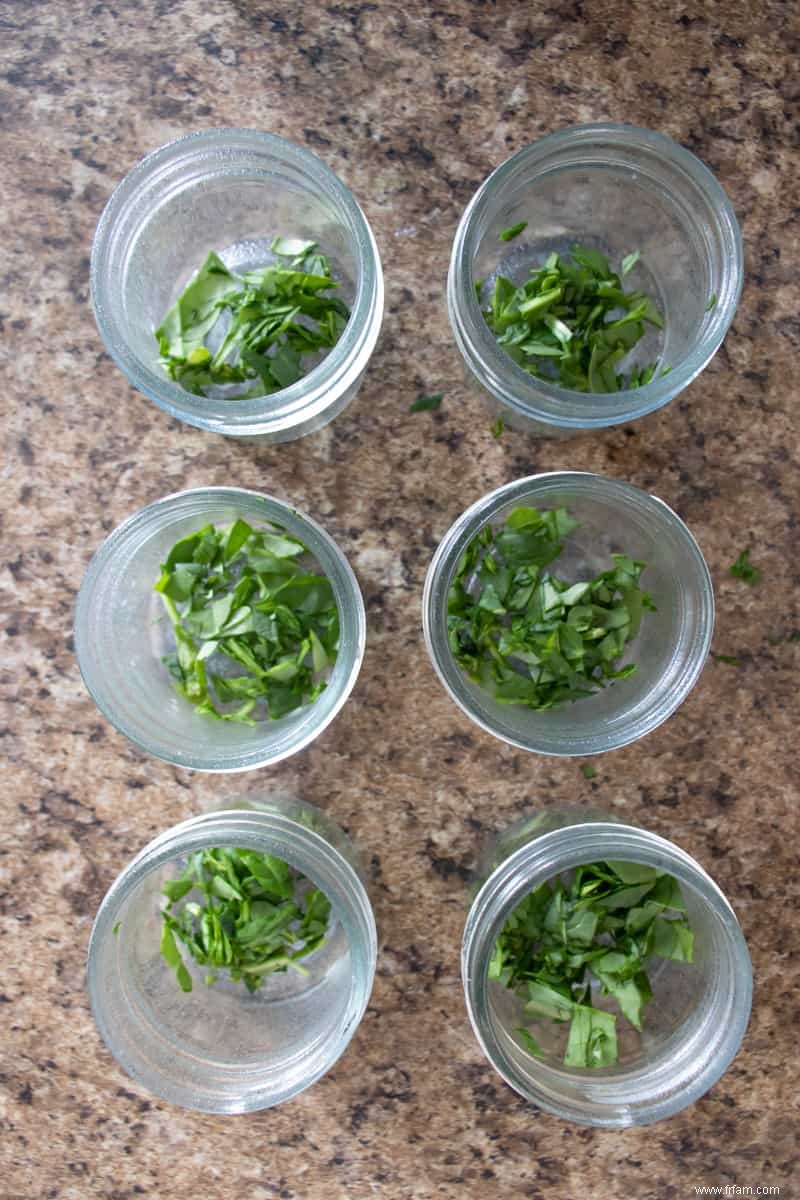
(278, 315)
(573, 321)
(254, 918)
(427, 403)
(497, 429)
(743, 569)
(528, 637)
(601, 929)
(239, 597)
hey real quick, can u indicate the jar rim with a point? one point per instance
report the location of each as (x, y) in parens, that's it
(550, 404)
(311, 399)
(609, 1098)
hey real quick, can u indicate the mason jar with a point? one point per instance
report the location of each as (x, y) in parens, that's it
(692, 1027)
(122, 634)
(232, 191)
(615, 188)
(670, 649)
(220, 1048)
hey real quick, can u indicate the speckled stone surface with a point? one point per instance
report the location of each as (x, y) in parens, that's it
(412, 105)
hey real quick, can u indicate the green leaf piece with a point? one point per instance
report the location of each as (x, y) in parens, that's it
(277, 316)
(254, 917)
(427, 403)
(513, 231)
(545, 1001)
(592, 1038)
(631, 872)
(569, 942)
(171, 955)
(255, 626)
(529, 1043)
(564, 325)
(525, 635)
(629, 262)
(743, 569)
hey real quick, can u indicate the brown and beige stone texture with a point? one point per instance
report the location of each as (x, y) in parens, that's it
(412, 104)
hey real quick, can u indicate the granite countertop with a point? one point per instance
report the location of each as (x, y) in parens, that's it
(412, 105)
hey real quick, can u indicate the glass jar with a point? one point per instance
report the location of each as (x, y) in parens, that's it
(693, 1026)
(220, 1048)
(121, 633)
(617, 189)
(232, 191)
(669, 650)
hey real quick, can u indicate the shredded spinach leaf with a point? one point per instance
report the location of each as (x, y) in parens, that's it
(253, 917)
(427, 403)
(278, 315)
(241, 598)
(513, 231)
(573, 321)
(528, 637)
(563, 943)
(743, 569)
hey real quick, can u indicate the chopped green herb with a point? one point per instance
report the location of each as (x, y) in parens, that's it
(529, 1043)
(497, 430)
(743, 569)
(278, 316)
(528, 637)
(563, 943)
(564, 323)
(727, 658)
(629, 262)
(240, 598)
(115, 930)
(589, 771)
(429, 403)
(255, 917)
(712, 303)
(508, 235)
